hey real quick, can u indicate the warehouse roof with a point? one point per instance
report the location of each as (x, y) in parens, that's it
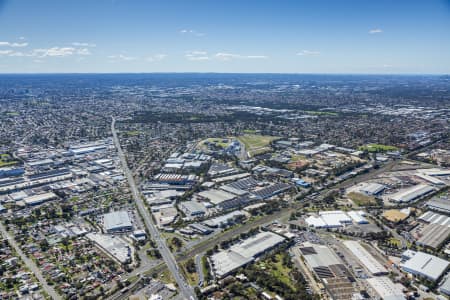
(385, 288)
(426, 265)
(411, 193)
(371, 264)
(240, 254)
(116, 220)
(216, 196)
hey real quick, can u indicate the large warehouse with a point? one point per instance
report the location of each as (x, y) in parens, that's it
(366, 259)
(246, 251)
(411, 193)
(118, 221)
(424, 265)
(385, 289)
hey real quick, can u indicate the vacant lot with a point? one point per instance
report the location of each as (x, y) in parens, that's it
(378, 148)
(361, 199)
(255, 144)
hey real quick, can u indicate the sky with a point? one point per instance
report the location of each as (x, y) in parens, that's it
(237, 36)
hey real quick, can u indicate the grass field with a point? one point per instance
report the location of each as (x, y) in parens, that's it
(377, 148)
(361, 200)
(321, 113)
(5, 160)
(277, 269)
(256, 144)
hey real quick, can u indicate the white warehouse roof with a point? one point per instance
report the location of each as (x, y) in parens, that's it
(426, 265)
(240, 254)
(385, 288)
(371, 264)
(411, 193)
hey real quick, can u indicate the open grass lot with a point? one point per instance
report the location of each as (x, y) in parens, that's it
(361, 200)
(5, 160)
(256, 144)
(378, 148)
(277, 269)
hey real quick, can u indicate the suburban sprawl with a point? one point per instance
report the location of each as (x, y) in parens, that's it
(224, 186)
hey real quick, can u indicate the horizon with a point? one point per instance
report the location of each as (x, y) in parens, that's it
(292, 37)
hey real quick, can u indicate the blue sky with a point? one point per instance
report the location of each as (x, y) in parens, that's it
(316, 36)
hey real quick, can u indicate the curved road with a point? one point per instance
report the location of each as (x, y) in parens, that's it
(185, 289)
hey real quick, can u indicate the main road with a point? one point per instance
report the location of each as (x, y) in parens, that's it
(185, 289)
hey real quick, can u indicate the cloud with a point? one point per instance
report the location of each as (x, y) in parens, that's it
(78, 44)
(230, 56)
(308, 53)
(156, 57)
(15, 45)
(197, 55)
(60, 52)
(5, 52)
(192, 32)
(375, 31)
(122, 57)
(224, 56)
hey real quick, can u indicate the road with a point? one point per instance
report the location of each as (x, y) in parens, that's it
(199, 267)
(30, 264)
(185, 289)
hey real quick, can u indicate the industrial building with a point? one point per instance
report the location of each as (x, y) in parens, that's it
(382, 288)
(371, 188)
(330, 269)
(113, 246)
(192, 209)
(215, 196)
(411, 193)
(226, 261)
(224, 220)
(329, 219)
(424, 265)
(118, 221)
(441, 204)
(436, 232)
(39, 198)
(365, 258)
(445, 286)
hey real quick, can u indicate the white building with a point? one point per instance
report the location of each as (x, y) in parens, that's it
(383, 288)
(425, 265)
(366, 259)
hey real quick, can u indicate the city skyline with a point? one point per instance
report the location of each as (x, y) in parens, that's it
(229, 37)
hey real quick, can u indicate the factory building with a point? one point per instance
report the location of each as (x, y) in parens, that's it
(411, 193)
(382, 288)
(365, 258)
(424, 265)
(192, 209)
(226, 261)
(118, 221)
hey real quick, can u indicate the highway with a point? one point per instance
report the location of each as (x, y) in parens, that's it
(30, 264)
(185, 290)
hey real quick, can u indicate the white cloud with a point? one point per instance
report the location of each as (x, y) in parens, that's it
(192, 32)
(230, 56)
(203, 55)
(197, 55)
(18, 45)
(5, 52)
(59, 52)
(375, 31)
(308, 53)
(122, 57)
(156, 57)
(78, 44)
